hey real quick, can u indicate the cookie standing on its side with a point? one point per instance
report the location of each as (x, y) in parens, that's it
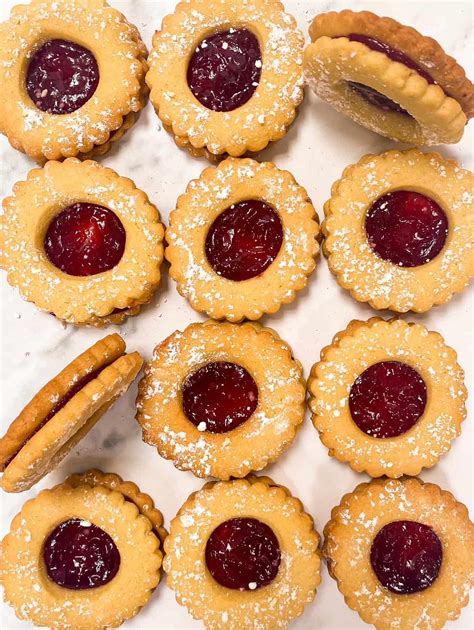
(388, 77)
(64, 411)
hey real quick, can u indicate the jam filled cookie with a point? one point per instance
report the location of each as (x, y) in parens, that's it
(402, 553)
(221, 399)
(90, 555)
(399, 230)
(243, 554)
(64, 411)
(74, 71)
(388, 78)
(227, 77)
(242, 240)
(387, 397)
(81, 242)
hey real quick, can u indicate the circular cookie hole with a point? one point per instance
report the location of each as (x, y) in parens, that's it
(225, 69)
(406, 556)
(219, 397)
(61, 76)
(406, 228)
(243, 554)
(244, 240)
(79, 555)
(85, 239)
(387, 399)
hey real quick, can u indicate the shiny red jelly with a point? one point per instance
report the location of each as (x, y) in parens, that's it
(243, 554)
(406, 556)
(85, 239)
(371, 95)
(61, 77)
(387, 399)
(244, 240)
(79, 555)
(219, 397)
(225, 69)
(406, 228)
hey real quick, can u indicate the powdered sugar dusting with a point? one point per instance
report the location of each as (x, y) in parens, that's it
(255, 443)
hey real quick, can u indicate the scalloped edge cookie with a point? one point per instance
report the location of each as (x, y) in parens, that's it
(111, 110)
(217, 189)
(360, 270)
(354, 524)
(352, 351)
(269, 607)
(37, 599)
(255, 443)
(80, 299)
(271, 110)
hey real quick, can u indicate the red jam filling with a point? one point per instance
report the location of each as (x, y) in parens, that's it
(85, 239)
(244, 240)
(406, 228)
(225, 69)
(243, 554)
(406, 556)
(387, 399)
(219, 397)
(371, 95)
(79, 555)
(61, 77)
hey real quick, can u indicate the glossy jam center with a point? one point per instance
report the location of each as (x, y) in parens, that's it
(406, 556)
(79, 555)
(387, 399)
(244, 240)
(371, 95)
(61, 77)
(225, 70)
(406, 228)
(85, 239)
(219, 397)
(243, 553)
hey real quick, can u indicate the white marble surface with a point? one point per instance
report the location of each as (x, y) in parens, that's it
(35, 346)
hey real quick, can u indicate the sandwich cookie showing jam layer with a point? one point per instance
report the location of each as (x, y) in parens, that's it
(64, 411)
(388, 77)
